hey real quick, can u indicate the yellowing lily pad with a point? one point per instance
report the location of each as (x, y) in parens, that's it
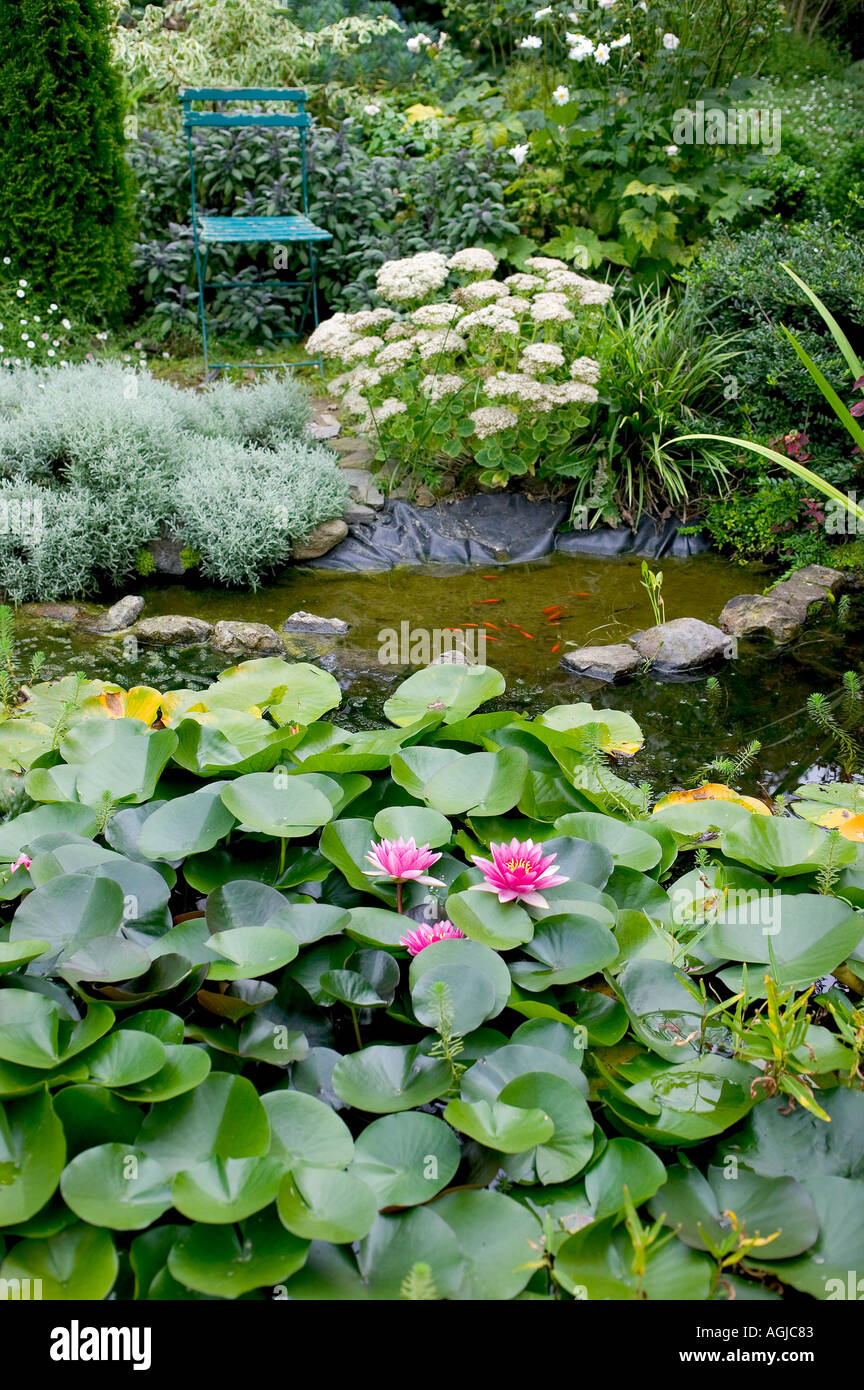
(851, 829)
(713, 791)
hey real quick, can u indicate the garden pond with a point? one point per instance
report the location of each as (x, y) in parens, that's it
(761, 694)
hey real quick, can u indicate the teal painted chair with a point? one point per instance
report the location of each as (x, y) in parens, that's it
(296, 230)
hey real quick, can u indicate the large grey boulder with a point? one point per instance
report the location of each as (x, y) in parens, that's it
(172, 630)
(301, 622)
(246, 639)
(782, 612)
(611, 663)
(683, 644)
(119, 616)
(320, 540)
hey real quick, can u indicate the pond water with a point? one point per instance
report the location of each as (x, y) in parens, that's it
(761, 695)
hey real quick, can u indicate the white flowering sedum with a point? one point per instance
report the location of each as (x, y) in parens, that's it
(411, 278)
(474, 260)
(538, 358)
(463, 350)
(491, 419)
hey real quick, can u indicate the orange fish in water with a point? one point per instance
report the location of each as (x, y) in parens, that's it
(487, 600)
(556, 647)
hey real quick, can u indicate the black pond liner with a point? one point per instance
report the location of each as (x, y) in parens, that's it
(496, 528)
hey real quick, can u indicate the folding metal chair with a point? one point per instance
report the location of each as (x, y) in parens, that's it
(295, 230)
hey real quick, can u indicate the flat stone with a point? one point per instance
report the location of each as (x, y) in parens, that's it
(320, 540)
(119, 616)
(353, 451)
(681, 644)
(57, 612)
(363, 488)
(424, 496)
(172, 630)
(609, 663)
(355, 514)
(321, 430)
(301, 621)
(247, 639)
(782, 612)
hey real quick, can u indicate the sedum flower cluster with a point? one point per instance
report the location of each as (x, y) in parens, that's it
(464, 360)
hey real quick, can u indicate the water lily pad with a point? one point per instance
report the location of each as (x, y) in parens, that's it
(326, 1204)
(627, 844)
(782, 846)
(809, 933)
(286, 807)
(250, 951)
(498, 1239)
(406, 1159)
(305, 1130)
(116, 1185)
(384, 1078)
(505, 1128)
(393, 1247)
(186, 825)
(226, 1189)
(221, 1118)
(226, 1262)
(424, 826)
(32, 1155)
(561, 1155)
(483, 918)
(454, 691)
(78, 1264)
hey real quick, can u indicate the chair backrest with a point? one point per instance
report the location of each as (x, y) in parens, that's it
(300, 118)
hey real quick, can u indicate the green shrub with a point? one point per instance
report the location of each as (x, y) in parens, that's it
(234, 1056)
(95, 460)
(65, 187)
(737, 283)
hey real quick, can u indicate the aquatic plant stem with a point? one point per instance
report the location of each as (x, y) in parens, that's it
(356, 1023)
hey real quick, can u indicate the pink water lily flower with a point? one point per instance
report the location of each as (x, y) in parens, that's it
(517, 872)
(417, 941)
(402, 861)
(22, 862)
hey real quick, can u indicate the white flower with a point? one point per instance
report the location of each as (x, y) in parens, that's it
(481, 289)
(594, 292)
(569, 392)
(601, 54)
(20, 294)
(561, 96)
(53, 308)
(7, 260)
(581, 47)
(371, 109)
(605, 4)
(67, 324)
(417, 41)
(23, 284)
(531, 41)
(51, 352)
(489, 419)
(524, 283)
(387, 408)
(548, 308)
(585, 369)
(520, 385)
(364, 376)
(441, 340)
(670, 149)
(622, 42)
(545, 263)
(394, 356)
(396, 331)
(541, 357)
(363, 347)
(670, 42)
(331, 337)
(496, 316)
(563, 283)
(519, 153)
(435, 315)
(436, 387)
(30, 343)
(544, 13)
(474, 258)
(362, 319)
(412, 277)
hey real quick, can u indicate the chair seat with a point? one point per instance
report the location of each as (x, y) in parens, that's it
(260, 229)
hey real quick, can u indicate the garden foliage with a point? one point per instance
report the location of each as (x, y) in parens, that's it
(96, 460)
(236, 1059)
(65, 186)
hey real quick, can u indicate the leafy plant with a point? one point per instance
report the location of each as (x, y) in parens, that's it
(190, 919)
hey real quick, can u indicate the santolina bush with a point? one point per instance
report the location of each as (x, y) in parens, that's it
(107, 457)
(438, 1010)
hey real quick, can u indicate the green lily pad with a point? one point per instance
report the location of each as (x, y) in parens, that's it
(326, 1204)
(115, 1185)
(384, 1078)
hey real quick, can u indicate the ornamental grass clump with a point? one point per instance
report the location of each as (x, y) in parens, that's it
(467, 369)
